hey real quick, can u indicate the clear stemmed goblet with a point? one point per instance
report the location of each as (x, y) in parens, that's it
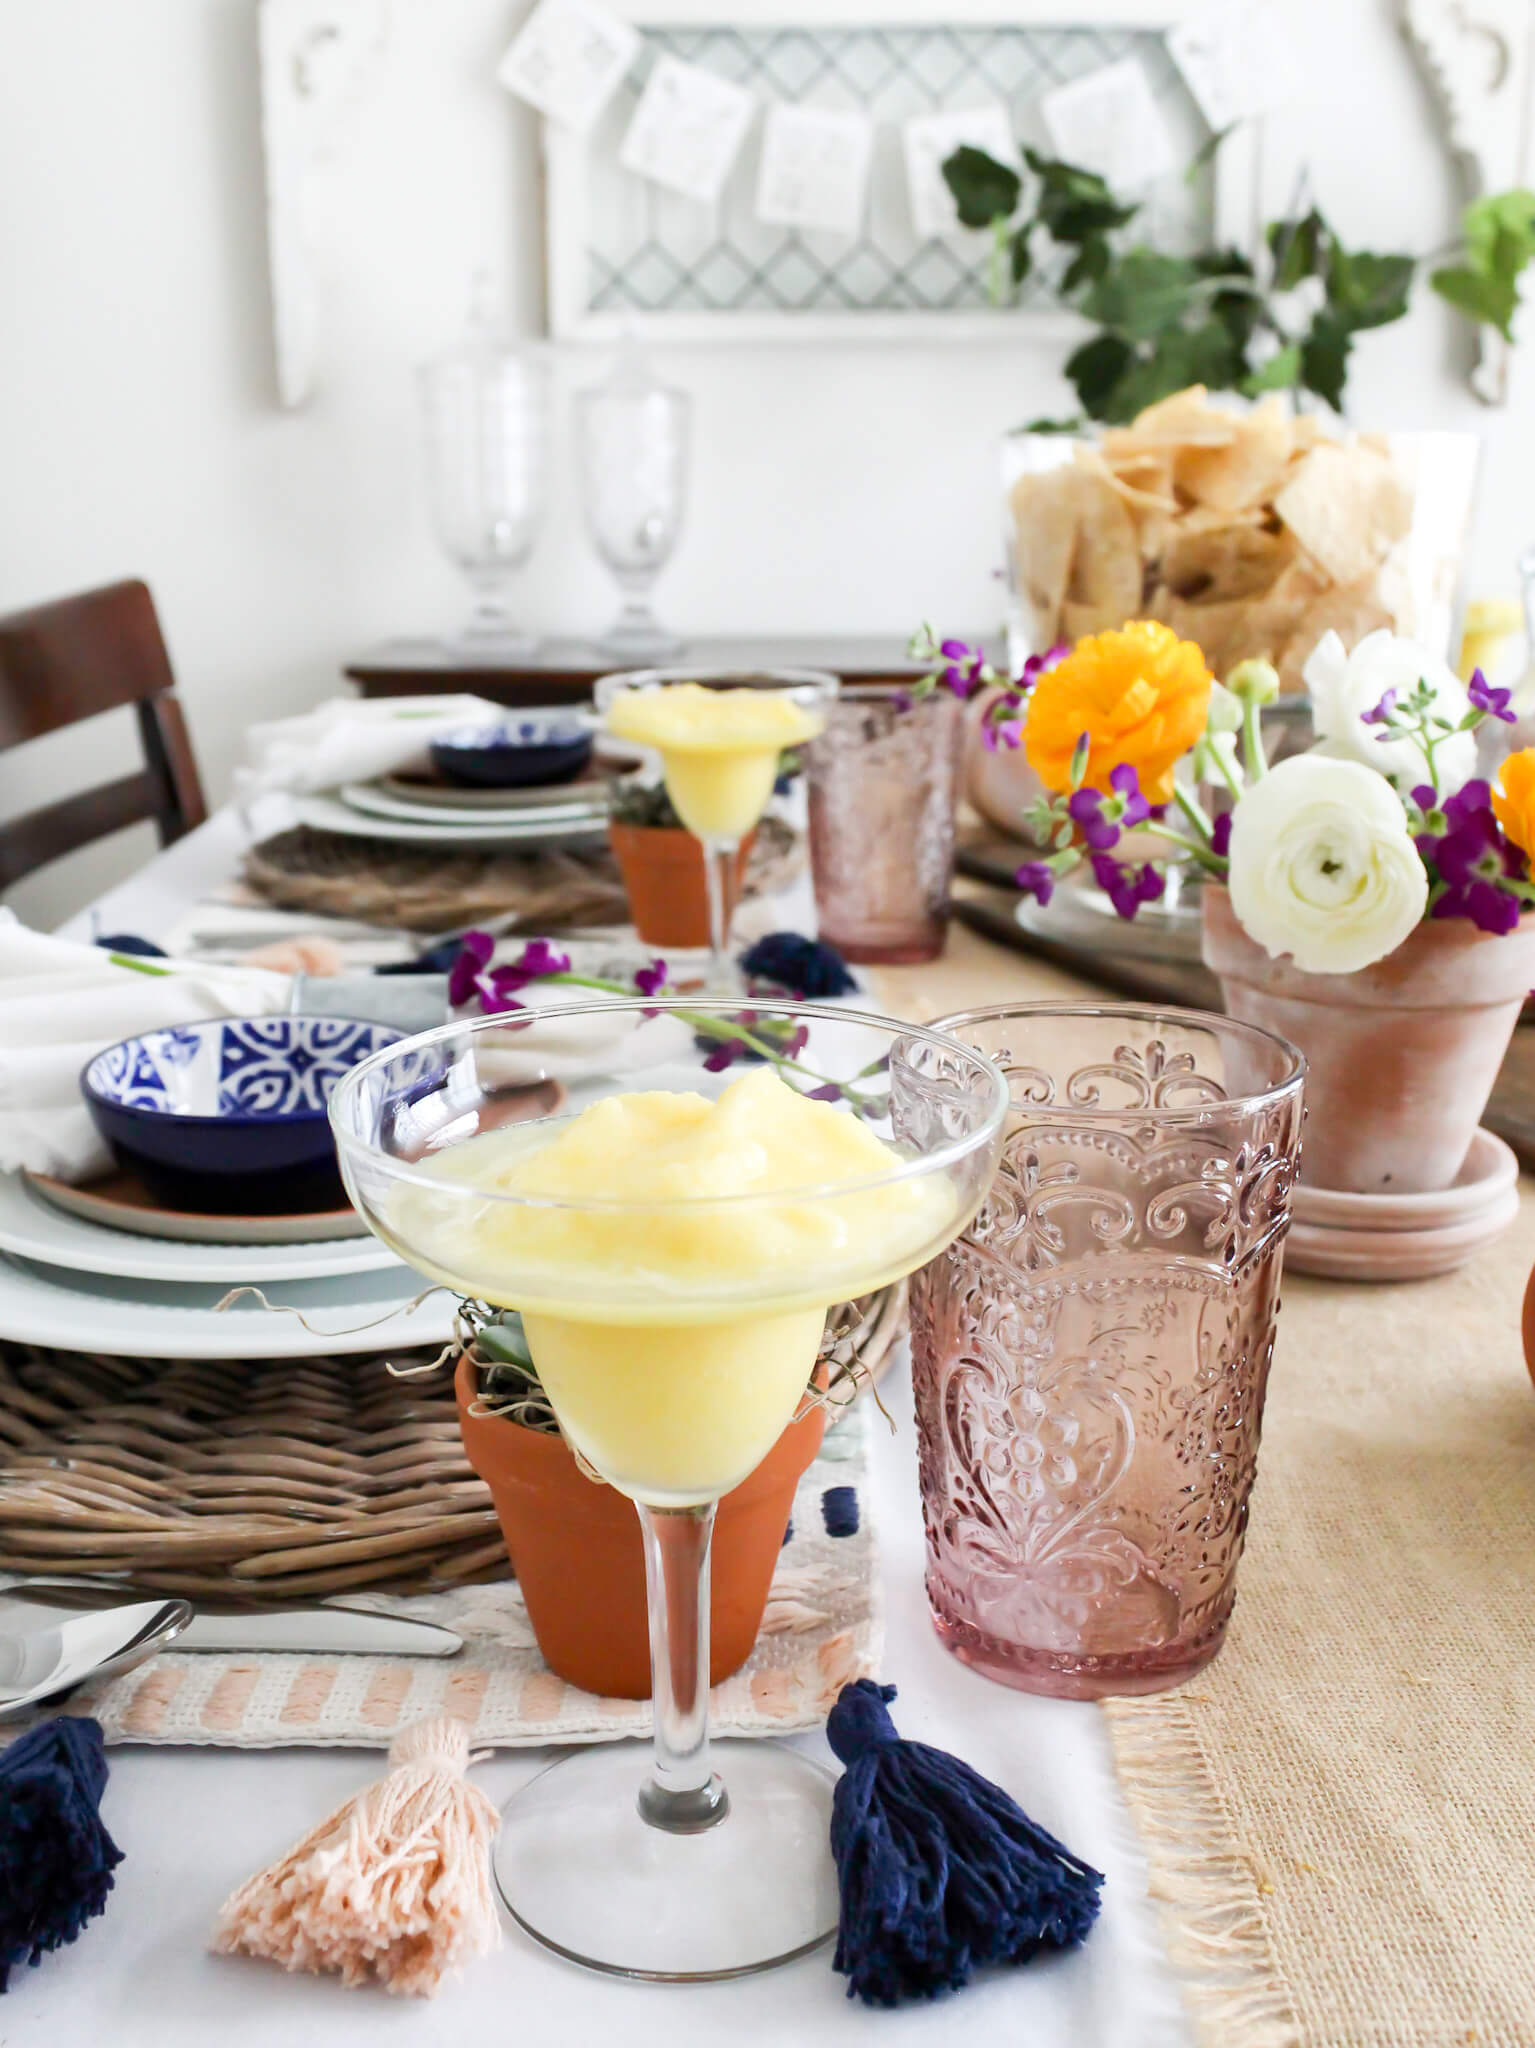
(632, 447)
(675, 1334)
(719, 774)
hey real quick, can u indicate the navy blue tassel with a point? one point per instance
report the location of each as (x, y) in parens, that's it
(941, 1873)
(805, 967)
(56, 1858)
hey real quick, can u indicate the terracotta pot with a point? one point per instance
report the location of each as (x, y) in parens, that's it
(663, 871)
(575, 1547)
(1401, 1057)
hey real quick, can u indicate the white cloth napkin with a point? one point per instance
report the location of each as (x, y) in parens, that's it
(349, 739)
(61, 1003)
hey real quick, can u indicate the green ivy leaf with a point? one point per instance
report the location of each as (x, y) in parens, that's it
(1073, 203)
(1236, 310)
(1324, 359)
(1184, 356)
(1142, 295)
(1491, 299)
(1095, 371)
(1282, 372)
(983, 189)
(1091, 261)
(1297, 247)
(1044, 426)
(1365, 290)
(1022, 254)
(1499, 231)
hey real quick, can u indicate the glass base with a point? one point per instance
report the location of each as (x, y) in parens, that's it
(640, 641)
(580, 1871)
(1062, 1675)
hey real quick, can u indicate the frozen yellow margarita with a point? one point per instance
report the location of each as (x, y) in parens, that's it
(673, 1258)
(719, 748)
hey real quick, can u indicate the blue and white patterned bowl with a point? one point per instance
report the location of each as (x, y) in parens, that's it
(230, 1116)
(515, 753)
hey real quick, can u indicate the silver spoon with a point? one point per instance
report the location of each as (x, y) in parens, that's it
(67, 1649)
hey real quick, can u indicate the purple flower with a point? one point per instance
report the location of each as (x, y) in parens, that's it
(902, 700)
(1127, 888)
(1085, 809)
(1001, 732)
(1038, 664)
(1220, 836)
(464, 975)
(1425, 796)
(828, 1091)
(539, 958)
(796, 1042)
(1495, 703)
(1036, 878)
(1472, 860)
(963, 675)
(650, 981)
(1488, 907)
(724, 1055)
(1379, 713)
(1126, 785)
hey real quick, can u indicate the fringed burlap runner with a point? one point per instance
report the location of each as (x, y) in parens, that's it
(1340, 1812)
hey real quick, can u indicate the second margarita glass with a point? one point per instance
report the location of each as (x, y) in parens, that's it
(720, 736)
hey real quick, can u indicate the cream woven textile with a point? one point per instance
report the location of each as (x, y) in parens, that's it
(1340, 1812)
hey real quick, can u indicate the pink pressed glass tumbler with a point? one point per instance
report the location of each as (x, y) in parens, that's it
(884, 781)
(1090, 1358)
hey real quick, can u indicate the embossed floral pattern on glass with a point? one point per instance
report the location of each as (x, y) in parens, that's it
(1090, 1359)
(884, 780)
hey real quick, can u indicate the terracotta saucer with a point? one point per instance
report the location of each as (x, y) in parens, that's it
(1346, 1236)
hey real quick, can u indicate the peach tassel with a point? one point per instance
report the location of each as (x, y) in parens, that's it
(395, 1885)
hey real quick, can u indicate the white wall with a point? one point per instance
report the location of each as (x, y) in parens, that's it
(833, 489)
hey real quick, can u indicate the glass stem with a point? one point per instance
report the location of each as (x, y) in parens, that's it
(682, 1795)
(720, 875)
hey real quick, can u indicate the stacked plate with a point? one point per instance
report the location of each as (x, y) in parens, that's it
(104, 1268)
(423, 811)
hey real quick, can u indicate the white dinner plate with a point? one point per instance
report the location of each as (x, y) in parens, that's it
(161, 1319)
(374, 802)
(329, 814)
(33, 1228)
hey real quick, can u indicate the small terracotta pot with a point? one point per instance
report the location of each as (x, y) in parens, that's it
(575, 1547)
(1401, 1057)
(663, 871)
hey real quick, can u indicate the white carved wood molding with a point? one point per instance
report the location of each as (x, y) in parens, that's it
(1480, 59)
(318, 59)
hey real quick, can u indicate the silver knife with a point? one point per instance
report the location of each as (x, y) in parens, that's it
(320, 1631)
(339, 1631)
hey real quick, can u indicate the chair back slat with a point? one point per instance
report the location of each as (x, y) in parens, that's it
(70, 660)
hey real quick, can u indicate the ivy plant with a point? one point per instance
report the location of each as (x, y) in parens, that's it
(1217, 317)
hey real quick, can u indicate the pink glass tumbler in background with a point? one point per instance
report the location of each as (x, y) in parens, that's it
(884, 780)
(1090, 1358)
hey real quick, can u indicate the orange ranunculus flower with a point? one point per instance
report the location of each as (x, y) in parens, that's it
(1513, 799)
(1141, 695)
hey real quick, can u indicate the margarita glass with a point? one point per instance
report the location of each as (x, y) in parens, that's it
(673, 1240)
(719, 735)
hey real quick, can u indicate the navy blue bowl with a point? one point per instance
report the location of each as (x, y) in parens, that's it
(517, 753)
(229, 1117)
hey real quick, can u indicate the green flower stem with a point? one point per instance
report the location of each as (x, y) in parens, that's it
(997, 262)
(1210, 862)
(138, 964)
(1252, 744)
(1192, 810)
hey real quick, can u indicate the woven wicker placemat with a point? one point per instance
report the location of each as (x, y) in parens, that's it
(264, 1480)
(330, 874)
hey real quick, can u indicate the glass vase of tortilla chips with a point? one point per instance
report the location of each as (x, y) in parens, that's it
(1249, 529)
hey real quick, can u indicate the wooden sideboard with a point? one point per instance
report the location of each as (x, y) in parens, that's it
(561, 670)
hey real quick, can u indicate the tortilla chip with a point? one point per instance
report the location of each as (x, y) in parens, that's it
(1106, 561)
(1248, 470)
(1210, 565)
(1185, 420)
(1044, 534)
(1215, 629)
(1351, 613)
(1345, 506)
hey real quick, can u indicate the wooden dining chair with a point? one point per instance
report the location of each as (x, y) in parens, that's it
(70, 660)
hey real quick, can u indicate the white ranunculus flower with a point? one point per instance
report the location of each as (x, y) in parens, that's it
(1323, 866)
(1344, 686)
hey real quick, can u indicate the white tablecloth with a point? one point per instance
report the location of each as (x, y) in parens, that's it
(193, 1823)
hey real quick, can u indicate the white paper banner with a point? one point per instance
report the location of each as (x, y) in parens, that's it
(687, 129)
(815, 168)
(1109, 122)
(1234, 58)
(929, 139)
(568, 60)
